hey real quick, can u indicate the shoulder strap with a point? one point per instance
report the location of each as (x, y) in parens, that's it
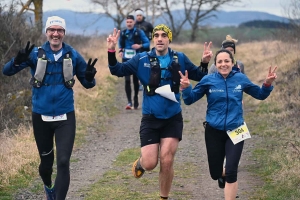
(122, 38)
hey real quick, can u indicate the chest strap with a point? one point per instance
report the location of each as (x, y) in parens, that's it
(41, 70)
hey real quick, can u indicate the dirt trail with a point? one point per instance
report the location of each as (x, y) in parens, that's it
(95, 157)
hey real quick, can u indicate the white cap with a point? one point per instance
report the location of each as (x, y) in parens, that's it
(139, 12)
(55, 20)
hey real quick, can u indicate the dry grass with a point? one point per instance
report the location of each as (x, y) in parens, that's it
(17, 153)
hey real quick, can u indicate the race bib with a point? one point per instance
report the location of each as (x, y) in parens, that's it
(239, 134)
(54, 118)
(129, 53)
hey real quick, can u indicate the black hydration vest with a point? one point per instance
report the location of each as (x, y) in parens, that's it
(155, 76)
(41, 69)
(136, 38)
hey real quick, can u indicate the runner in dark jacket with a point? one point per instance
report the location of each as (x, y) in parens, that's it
(140, 23)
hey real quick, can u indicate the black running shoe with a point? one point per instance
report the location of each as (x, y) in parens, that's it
(221, 182)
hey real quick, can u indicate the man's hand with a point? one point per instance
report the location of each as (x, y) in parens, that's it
(136, 46)
(23, 54)
(112, 40)
(207, 53)
(90, 70)
(184, 81)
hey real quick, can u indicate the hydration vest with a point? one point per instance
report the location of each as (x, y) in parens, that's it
(155, 76)
(38, 78)
(136, 37)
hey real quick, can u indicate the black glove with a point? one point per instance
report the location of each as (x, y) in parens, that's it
(90, 70)
(23, 54)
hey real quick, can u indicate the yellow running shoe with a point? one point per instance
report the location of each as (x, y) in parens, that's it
(137, 169)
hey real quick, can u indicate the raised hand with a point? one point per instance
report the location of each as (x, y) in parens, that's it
(207, 53)
(90, 70)
(23, 54)
(112, 40)
(271, 75)
(184, 81)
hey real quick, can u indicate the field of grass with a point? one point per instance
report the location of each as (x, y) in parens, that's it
(244, 35)
(274, 120)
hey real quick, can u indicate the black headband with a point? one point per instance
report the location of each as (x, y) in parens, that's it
(228, 44)
(130, 17)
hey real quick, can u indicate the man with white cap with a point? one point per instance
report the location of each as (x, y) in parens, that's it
(161, 124)
(53, 67)
(140, 23)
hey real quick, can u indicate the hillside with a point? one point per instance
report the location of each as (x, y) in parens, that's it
(92, 23)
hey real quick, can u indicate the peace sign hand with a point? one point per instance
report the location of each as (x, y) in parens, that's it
(112, 40)
(207, 53)
(271, 75)
(184, 81)
(90, 70)
(23, 54)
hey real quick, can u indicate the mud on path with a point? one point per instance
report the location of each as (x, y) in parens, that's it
(95, 157)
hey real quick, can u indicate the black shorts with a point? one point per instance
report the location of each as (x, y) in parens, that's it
(153, 129)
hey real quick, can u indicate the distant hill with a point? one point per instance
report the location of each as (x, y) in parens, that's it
(266, 24)
(91, 23)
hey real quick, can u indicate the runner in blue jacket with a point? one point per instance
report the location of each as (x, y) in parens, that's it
(162, 123)
(225, 130)
(53, 67)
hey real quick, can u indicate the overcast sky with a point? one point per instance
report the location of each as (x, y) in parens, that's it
(270, 6)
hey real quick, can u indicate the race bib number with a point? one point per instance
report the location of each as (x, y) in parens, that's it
(54, 118)
(129, 53)
(239, 134)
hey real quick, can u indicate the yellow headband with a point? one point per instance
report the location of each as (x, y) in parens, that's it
(162, 27)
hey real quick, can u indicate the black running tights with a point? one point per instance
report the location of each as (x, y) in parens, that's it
(64, 132)
(219, 145)
(128, 87)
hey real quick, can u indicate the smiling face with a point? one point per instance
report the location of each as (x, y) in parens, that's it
(224, 63)
(161, 42)
(55, 35)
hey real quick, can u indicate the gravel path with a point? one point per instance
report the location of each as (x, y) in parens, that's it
(95, 157)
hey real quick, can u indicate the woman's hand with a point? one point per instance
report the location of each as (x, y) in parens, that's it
(184, 81)
(271, 76)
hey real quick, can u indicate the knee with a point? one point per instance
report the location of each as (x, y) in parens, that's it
(149, 164)
(231, 176)
(166, 162)
(63, 163)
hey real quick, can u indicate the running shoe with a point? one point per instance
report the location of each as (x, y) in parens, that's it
(50, 193)
(128, 106)
(137, 169)
(221, 182)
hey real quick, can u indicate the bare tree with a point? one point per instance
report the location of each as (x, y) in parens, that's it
(293, 13)
(116, 9)
(168, 9)
(202, 10)
(38, 12)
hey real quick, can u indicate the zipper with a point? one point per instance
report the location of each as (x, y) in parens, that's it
(226, 104)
